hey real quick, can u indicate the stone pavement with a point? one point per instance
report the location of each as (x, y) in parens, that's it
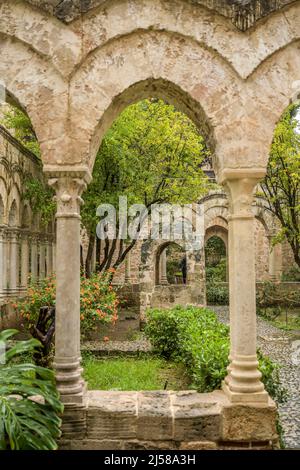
(284, 348)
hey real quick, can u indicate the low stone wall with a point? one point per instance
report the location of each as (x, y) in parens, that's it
(166, 296)
(167, 420)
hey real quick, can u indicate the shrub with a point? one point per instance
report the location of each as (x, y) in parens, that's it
(29, 402)
(195, 337)
(217, 293)
(98, 301)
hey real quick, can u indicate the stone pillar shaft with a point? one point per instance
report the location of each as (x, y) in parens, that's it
(67, 329)
(3, 262)
(49, 257)
(163, 267)
(14, 262)
(34, 259)
(243, 381)
(275, 262)
(42, 260)
(24, 261)
(128, 268)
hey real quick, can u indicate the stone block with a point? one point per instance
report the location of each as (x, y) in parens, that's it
(197, 417)
(154, 416)
(112, 415)
(249, 423)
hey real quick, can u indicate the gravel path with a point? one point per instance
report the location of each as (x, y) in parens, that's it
(284, 348)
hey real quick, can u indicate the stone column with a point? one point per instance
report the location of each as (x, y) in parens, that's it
(34, 258)
(24, 260)
(49, 257)
(163, 267)
(42, 259)
(3, 262)
(54, 256)
(94, 260)
(68, 187)
(243, 384)
(128, 268)
(14, 262)
(275, 261)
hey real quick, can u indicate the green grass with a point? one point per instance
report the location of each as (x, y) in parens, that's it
(133, 374)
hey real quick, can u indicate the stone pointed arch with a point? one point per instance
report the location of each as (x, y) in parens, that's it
(31, 83)
(45, 35)
(129, 69)
(197, 21)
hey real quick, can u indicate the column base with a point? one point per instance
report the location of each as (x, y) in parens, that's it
(74, 398)
(245, 398)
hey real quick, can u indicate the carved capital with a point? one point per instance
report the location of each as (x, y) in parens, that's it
(68, 184)
(240, 185)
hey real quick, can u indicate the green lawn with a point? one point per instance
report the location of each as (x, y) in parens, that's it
(133, 374)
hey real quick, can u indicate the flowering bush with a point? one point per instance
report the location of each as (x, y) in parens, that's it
(98, 301)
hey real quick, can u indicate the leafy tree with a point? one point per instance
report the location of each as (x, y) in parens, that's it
(152, 154)
(17, 121)
(281, 186)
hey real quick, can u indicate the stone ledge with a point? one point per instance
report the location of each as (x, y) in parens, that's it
(168, 420)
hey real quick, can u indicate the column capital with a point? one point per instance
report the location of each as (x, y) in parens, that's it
(240, 185)
(69, 184)
(13, 233)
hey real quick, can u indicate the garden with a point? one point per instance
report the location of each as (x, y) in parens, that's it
(189, 350)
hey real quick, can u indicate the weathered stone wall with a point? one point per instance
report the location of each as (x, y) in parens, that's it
(168, 420)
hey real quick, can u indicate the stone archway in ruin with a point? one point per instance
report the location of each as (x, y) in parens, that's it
(74, 78)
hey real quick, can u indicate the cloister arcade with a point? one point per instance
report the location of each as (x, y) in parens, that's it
(73, 72)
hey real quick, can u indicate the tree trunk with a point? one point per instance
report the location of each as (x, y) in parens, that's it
(88, 261)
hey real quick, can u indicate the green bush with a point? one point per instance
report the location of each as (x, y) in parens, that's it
(217, 293)
(98, 302)
(195, 337)
(29, 402)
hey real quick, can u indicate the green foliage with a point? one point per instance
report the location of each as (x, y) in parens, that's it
(17, 121)
(217, 272)
(98, 301)
(215, 251)
(217, 293)
(40, 197)
(273, 294)
(152, 153)
(281, 186)
(27, 423)
(195, 337)
(292, 275)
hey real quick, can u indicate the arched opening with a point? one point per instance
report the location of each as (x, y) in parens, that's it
(13, 215)
(216, 259)
(171, 264)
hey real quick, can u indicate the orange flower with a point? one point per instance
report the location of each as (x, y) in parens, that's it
(81, 317)
(106, 338)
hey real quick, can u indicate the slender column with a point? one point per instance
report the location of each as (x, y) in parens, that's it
(34, 258)
(275, 262)
(3, 262)
(42, 260)
(128, 268)
(94, 258)
(243, 381)
(67, 335)
(14, 262)
(54, 256)
(24, 260)
(163, 267)
(49, 257)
